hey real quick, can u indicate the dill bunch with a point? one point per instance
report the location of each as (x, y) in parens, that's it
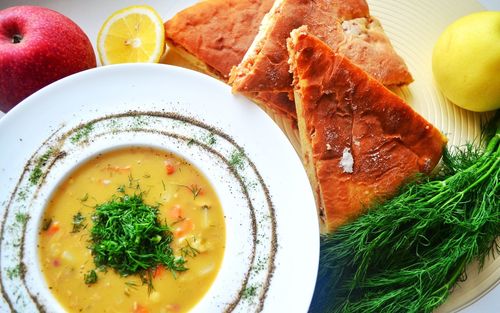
(406, 254)
(128, 237)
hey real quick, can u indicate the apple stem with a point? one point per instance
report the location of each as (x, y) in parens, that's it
(17, 38)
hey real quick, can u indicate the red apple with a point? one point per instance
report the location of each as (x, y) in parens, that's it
(37, 47)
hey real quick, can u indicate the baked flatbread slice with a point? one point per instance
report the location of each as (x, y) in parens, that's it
(360, 142)
(214, 35)
(345, 25)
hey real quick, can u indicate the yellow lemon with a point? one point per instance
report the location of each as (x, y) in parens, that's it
(466, 61)
(132, 34)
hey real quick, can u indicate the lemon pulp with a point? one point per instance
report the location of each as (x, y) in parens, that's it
(133, 34)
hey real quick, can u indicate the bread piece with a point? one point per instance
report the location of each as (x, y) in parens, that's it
(345, 25)
(214, 35)
(360, 141)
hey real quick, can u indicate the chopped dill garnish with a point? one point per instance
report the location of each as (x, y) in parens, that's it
(46, 223)
(77, 222)
(189, 251)
(83, 133)
(128, 237)
(35, 175)
(22, 218)
(121, 188)
(15, 271)
(23, 195)
(249, 292)
(133, 183)
(131, 284)
(37, 172)
(195, 190)
(90, 277)
(236, 160)
(190, 142)
(211, 140)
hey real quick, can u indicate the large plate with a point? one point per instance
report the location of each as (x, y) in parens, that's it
(272, 228)
(413, 27)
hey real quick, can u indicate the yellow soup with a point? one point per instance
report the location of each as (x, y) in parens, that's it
(186, 202)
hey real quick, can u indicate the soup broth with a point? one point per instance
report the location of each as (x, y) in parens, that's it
(186, 202)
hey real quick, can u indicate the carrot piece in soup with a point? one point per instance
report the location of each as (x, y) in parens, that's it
(176, 212)
(54, 228)
(138, 308)
(183, 227)
(159, 270)
(169, 168)
(173, 308)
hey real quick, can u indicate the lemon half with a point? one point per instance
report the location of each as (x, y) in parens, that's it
(133, 34)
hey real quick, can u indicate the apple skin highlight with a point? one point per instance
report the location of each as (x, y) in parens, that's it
(37, 47)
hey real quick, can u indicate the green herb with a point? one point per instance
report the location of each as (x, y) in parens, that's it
(37, 172)
(83, 133)
(128, 237)
(90, 277)
(22, 218)
(121, 188)
(405, 255)
(23, 195)
(249, 292)
(46, 223)
(138, 121)
(131, 284)
(133, 183)
(211, 140)
(16, 271)
(195, 190)
(77, 223)
(190, 142)
(236, 159)
(35, 175)
(189, 251)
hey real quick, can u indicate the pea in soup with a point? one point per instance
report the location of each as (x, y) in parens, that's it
(132, 230)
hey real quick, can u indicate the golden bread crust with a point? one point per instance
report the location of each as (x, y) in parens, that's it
(218, 32)
(363, 141)
(346, 26)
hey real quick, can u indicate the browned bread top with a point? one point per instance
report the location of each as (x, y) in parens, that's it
(218, 32)
(345, 25)
(362, 141)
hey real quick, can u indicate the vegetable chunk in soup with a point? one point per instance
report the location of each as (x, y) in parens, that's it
(132, 230)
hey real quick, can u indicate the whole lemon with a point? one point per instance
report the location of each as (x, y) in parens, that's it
(466, 61)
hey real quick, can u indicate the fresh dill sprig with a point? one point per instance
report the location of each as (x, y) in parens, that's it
(195, 190)
(128, 237)
(406, 254)
(90, 277)
(83, 133)
(22, 218)
(236, 159)
(189, 251)
(78, 222)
